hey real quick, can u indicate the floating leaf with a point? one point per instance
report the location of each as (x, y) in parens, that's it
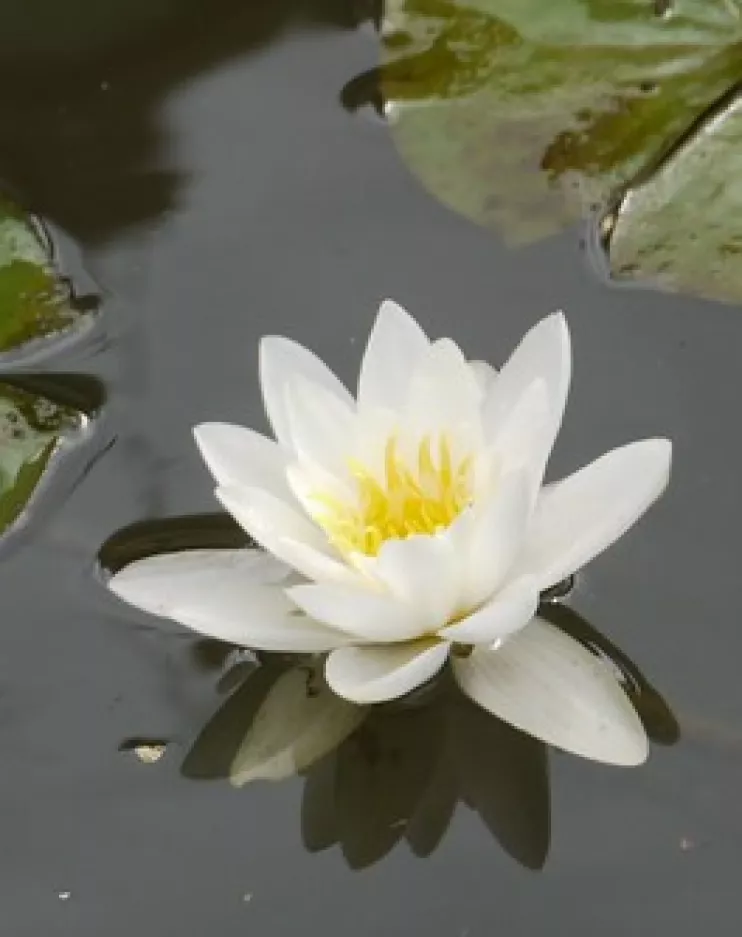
(681, 228)
(35, 302)
(527, 114)
(31, 430)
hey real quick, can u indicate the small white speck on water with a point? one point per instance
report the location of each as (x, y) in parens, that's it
(247, 897)
(64, 895)
(104, 86)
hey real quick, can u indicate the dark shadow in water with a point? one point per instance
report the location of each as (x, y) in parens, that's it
(80, 137)
(403, 771)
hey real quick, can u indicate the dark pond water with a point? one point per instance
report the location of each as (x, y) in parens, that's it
(200, 169)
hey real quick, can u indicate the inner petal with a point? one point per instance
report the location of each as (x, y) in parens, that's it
(421, 491)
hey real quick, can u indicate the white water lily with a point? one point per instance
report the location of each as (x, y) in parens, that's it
(412, 522)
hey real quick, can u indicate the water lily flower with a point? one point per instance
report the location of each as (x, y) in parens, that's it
(411, 525)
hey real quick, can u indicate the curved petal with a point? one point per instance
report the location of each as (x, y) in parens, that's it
(496, 539)
(233, 598)
(519, 442)
(394, 348)
(358, 612)
(485, 375)
(545, 353)
(322, 425)
(154, 584)
(281, 360)
(383, 672)
(236, 455)
(284, 532)
(444, 394)
(547, 684)
(423, 572)
(509, 611)
(579, 517)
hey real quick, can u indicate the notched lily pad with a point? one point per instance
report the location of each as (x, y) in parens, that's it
(681, 228)
(36, 303)
(32, 430)
(526, 115)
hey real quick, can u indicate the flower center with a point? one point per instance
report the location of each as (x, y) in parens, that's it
(422, 496)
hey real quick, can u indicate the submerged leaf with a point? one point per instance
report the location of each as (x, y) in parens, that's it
(35, 302)
(31, 429)
(298, 723)
(527, 114)
(680, 229)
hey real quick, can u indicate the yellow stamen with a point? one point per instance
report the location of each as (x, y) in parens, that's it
(419, 499)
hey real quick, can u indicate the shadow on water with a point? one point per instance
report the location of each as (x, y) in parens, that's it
(80, 134)
(398, 771)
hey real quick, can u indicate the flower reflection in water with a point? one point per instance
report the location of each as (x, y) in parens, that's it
(374, 776)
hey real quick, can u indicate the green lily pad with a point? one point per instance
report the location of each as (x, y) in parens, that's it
(32, 428)
(35, 302)
(526, 115)
(680, 229)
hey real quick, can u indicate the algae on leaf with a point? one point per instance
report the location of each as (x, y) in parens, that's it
(31, 429)
(680, 229)
(525, 115)
(35, 302)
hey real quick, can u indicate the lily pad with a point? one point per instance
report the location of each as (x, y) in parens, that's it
(32, 428)
(36, 303)
(525, 115)
(680, 229)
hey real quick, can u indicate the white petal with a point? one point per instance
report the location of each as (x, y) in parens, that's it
(485, 375)
(444, 394)
(280, 361)
(509, 611)
(359, 612)
(236, 455)
(543, 353)
(383, 672)
(284, 532)
(496, 539)
(154, 584)
(548, 685)
(293, 729)
(519, 441)
(423, 572)
(322, 425)
(579, 517)
(236, 597)
(394, 349)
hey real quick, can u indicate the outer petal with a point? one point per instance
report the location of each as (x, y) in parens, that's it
(236, 455)
(394, 349)
(496, 539)
(383, 672)
(358, 612)
(444, 393)
(508, 612)
(229, 595)
(518, 443)
(544, 353)
(281, 360)
(577, 518)
(548, 685)
(485, 375)
(286, 533)
(422, 572)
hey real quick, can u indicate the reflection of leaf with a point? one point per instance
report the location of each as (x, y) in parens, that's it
(680, 229)
(31, 427)
(298, 722)
(524, 115)
(35, 302)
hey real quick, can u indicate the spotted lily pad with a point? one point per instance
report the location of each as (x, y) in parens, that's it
(525, 115)
(680, 229)
(32, 428)
(36, 303)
